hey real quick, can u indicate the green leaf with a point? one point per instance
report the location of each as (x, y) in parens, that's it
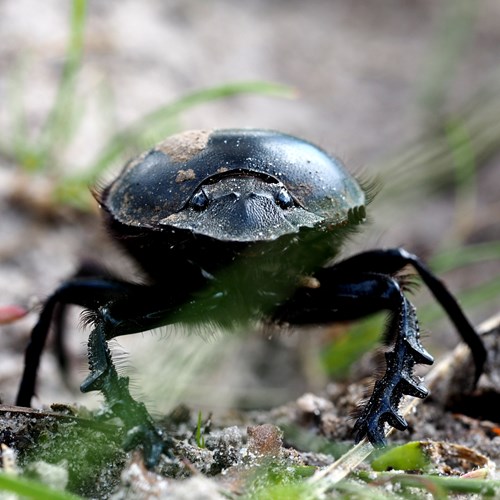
(409, 456)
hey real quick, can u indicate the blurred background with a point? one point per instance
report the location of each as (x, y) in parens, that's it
(407, 93)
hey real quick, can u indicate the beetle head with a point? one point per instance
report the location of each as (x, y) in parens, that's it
(242, 206)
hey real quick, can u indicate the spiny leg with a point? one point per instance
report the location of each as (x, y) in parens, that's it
(398, 379)
(89, 270)
(345, 297)
(103, 377)
(116, 308)
(362, 285)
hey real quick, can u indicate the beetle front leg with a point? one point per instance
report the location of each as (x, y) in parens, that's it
(92, 272)
(398, 379)
(103, 377)
(339, 297)
(87, 292)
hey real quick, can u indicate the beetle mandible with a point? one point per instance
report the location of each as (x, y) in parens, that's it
(238, 226)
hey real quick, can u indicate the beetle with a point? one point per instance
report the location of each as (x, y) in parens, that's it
(238, 226)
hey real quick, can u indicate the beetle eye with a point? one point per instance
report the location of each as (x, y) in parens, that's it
(199, 200)
(283, 198)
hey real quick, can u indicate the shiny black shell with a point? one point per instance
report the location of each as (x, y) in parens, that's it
(154, 190)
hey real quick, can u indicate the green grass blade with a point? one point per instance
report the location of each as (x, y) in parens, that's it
(19, 148)
(58, 127)
(443, 484)
(32, 489)
(409, 456)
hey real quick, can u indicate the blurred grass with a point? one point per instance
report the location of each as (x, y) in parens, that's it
(453, 32)
(60, 124)
(464, 140)
(455, 258)
(62, 120)
(338, 355)
(27, 488)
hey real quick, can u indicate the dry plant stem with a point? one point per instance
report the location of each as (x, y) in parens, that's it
(341, 468)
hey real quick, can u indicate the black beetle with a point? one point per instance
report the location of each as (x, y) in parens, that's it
(232, 226)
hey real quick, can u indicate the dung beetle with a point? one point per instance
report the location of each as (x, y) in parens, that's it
(238, 226)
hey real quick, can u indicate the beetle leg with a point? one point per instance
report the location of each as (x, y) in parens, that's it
(86, 292)
(344, 297)
(390, 261)
(103, 377)
(87, 269)
(128, 300)
(397, 381)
